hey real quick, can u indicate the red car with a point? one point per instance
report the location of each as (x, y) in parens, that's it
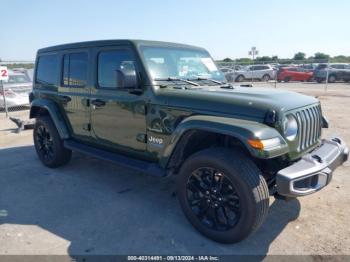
(287, 74)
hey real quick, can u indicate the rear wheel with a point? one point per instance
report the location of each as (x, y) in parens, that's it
(223, 194)
(331, 79)
(240, 78)
(48, 143)
(287, 79)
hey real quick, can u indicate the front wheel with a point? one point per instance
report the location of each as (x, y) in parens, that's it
(223, 194)
(48, 143)
(266, 78)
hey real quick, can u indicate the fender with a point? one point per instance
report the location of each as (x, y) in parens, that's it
(54, 113)
(237, 128)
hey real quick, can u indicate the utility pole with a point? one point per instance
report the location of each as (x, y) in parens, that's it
(253, 52)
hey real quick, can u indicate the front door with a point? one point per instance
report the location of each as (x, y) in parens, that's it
(118, 119)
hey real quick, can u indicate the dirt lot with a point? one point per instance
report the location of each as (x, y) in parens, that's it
(93, 207)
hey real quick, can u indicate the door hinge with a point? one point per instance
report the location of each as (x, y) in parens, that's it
(85, 102)
(87, 127)
(141, 138)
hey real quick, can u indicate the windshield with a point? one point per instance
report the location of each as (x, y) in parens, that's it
(18, 79)
(165, 62)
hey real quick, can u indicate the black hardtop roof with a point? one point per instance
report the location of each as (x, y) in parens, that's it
(115, 42)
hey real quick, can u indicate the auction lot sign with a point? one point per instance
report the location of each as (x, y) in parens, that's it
(4, 74)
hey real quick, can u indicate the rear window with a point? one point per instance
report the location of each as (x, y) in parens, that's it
(321, 66)
(47, 69)
(75, 69)
(338, 66)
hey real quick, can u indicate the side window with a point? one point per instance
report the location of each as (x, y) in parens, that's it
(75, 69)
(111, 64)
(47, 69)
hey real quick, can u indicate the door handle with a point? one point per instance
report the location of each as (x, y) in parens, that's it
(65, 99)
(98, 102)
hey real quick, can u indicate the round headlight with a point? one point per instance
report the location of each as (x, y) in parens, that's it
(290, 127)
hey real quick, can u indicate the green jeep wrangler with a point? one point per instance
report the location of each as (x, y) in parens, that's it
(165, 109)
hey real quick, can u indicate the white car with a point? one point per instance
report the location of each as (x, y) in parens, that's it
(260, 72)
(16, 90)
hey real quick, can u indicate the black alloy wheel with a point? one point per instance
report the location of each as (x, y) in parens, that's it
(213, 199)
(45, 143)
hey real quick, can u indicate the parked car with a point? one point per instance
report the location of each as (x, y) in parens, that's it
(336, 72)
(230, 72)
(165, 109)
(16, 90)
(259, 72)
(28, 72)
(287, 74)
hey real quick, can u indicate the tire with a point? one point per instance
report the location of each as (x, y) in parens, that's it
(286, 79)
(319, 80)
(48, 144)
(331, 79)
(266, 78)
(229, 78)
(240, 78)
(249, 187)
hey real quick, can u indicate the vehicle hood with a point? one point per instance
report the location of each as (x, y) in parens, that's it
(247, 102)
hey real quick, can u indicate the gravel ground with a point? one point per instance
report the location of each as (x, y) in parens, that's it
(93, 207)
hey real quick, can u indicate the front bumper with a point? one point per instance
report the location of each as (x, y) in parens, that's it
(313, 171)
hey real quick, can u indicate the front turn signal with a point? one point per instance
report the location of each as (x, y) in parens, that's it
(256, 143)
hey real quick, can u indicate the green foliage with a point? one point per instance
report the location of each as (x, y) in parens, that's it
(321, 56)
(264, 59)
(20, 65)
(299, 56)
(227, 60)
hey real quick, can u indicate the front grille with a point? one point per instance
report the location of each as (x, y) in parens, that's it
(310, 124)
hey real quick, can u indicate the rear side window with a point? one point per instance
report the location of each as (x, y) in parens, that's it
(111, 64)
(47, 69)
(75, 69)
(338, 66)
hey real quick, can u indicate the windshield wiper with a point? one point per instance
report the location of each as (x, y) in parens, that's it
(176, 79)
(208, 79)
(222, 84)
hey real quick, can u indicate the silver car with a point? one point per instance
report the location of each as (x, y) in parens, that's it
(16, 90)
(259, 72)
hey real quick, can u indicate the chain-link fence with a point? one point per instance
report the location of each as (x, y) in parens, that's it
(14, 93)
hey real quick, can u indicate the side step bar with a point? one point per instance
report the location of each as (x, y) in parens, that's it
(121, 160)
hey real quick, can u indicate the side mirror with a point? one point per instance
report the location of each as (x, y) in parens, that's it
(127, 79)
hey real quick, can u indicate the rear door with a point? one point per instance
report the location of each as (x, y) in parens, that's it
(74, 91)
(118, 116)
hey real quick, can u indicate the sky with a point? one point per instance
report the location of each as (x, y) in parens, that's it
(226, 28)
